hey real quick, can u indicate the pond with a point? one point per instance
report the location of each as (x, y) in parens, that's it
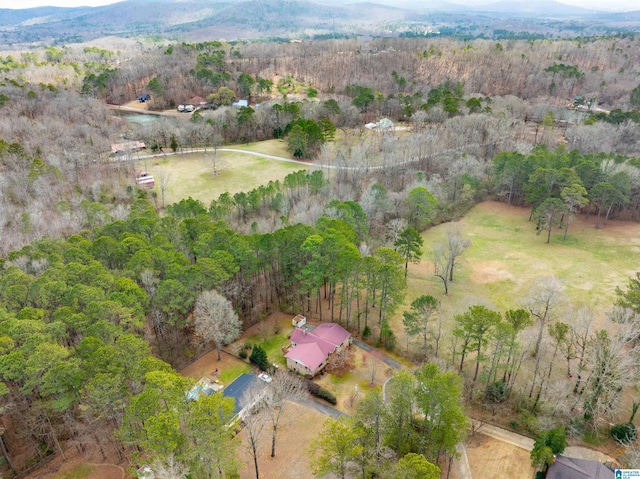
(138, 119)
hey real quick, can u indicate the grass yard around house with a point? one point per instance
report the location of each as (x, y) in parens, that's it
(230, 374)
(344, 388)
(271, 334)
(226, 370)
(191, 174)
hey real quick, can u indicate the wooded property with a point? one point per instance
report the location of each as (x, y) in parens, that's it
(451, 221)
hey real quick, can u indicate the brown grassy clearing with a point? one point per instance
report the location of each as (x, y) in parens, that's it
(85, 465)
(292, 459)
(493, 459)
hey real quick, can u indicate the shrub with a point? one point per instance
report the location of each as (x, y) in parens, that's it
(312, 387)
(540, 475)
(243, 354)
(389, 340)
(327, 396)
(624, 433)
(366, 332)
(259, 358)
(529, 422)
(546, 445)
(322, 393)
(497, 391)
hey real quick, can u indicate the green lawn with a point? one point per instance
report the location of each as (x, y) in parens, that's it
(79, 472)
(507, 256)
(192, 174)
(229, 374)
(272, 345)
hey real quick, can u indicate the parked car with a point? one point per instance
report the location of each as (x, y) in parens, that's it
(265, 377)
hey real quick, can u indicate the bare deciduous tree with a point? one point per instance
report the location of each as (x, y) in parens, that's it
(613, 363)
(254, 418)
(447, 253)
(545, 294)
(164, 181)
(284, 389)
(216, 320)
(341, 362)
(169, 468)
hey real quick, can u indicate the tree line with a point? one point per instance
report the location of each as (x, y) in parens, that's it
(559, 184)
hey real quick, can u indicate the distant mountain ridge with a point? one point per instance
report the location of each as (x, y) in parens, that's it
(538, 7)
(248, 19)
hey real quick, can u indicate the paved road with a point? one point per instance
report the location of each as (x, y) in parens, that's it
(308, 164)
(322, 408)
(462, 462)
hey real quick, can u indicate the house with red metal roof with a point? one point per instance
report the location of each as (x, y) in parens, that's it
(311, 349)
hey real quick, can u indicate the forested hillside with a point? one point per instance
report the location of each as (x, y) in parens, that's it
(99, 280)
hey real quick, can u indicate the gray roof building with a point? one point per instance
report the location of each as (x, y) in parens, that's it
(571, 468)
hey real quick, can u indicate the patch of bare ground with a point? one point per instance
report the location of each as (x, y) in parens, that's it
(277, 321)
(292, 458)
(137, 105)
(493, 459)
(108, 468)
(490, 272)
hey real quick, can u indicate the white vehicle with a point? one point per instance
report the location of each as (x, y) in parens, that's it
(265, 377)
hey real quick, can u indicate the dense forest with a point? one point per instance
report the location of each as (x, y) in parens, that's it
(98, 281)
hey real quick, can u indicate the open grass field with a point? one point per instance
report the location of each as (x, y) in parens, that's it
(507, 256)
(192, 174)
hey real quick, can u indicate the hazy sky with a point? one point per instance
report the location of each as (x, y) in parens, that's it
(595, 4)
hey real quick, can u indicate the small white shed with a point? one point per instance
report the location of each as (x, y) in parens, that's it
(299, 321)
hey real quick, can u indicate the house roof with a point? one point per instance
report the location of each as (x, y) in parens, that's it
(127, 146)
(237, 389)
(332, 332)
(313, 347)
(572, 468)
(302, 336)
(308, 354)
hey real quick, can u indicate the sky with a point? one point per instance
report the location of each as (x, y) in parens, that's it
(594, 4)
